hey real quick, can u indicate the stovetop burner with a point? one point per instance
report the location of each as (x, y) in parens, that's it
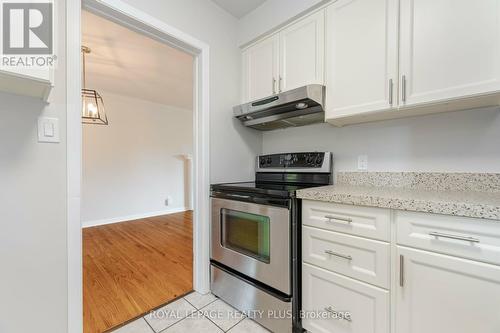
(271, 189)
(281, 175)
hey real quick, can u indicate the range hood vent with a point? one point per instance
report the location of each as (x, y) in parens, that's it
(293, 108)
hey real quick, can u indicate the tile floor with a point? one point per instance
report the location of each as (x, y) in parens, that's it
(194, 313)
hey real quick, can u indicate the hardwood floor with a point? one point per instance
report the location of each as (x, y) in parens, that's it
(133, 267)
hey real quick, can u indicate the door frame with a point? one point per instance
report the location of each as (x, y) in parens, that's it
(131, 17)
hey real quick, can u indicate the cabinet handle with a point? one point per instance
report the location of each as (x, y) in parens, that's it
(343, 256)
(401, 270)
(343, 219)
(274, 86)
(462, 238)
(338, 314)
(391, 90)
(279, 84)
(403, 88)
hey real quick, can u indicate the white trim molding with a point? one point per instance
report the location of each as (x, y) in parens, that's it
(128, 218)
(131, 17)
(74, 166)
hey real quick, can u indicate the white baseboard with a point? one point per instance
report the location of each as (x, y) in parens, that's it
(96, 223)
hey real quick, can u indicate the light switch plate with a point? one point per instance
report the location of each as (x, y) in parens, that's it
(48, 130)
(363, 162)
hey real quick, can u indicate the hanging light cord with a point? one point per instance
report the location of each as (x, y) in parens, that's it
(85, 50)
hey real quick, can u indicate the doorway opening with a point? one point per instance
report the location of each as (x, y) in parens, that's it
(142, 23)
(136, 179)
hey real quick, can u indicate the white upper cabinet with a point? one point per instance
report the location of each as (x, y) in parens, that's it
(449, 49)
(291, 58)
(26, 81)
(396, 58)
(302, 53)
(443, 294)
(260, 69)
(382, 59)
(361, 56)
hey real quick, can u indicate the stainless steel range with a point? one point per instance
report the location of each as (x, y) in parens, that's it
(255, 249)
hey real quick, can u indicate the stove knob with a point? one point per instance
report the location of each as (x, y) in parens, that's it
(269, 160)
(319, 161)
(288, 157)
(309, 159)
(262, 161)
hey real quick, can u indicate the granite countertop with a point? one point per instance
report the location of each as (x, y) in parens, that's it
(467, 201)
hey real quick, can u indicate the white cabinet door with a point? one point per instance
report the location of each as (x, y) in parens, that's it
(443, 294)
(361, 56)
(475, 239)
(31, 82)
(359, 258)
(368, 222)
(302, 53)
(260, 69)
(348, 305)
(449, 49)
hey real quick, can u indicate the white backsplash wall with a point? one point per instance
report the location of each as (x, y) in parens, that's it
(464, 141)
(131, 166)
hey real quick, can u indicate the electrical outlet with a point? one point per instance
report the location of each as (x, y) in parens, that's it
(168, 201)
(363, 162)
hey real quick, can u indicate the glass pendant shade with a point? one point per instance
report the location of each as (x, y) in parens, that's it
(93, 111)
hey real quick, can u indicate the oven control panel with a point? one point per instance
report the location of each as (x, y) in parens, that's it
(307, 161)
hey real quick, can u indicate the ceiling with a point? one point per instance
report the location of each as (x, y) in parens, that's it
(128, 63)
(239, 8)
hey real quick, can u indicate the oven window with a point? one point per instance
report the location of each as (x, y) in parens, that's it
(246, 233)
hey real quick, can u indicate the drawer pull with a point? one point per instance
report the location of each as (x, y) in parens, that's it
(401, 271)
(343, 256)
(343, 219)
(462, 238)
(339, 315)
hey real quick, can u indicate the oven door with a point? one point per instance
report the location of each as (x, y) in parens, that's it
(254, 240)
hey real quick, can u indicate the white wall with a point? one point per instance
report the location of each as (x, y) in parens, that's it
(464, 141)
(270, 15)
(33, 255)
(131, 166)
(232, 147)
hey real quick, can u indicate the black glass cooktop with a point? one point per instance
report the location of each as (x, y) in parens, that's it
(277, 184)
(272, 189)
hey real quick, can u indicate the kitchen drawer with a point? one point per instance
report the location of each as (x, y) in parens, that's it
(363, 259)
(365, 308)
(359, 221)
(470, 238)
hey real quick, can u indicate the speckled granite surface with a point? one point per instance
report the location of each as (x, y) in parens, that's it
(479, 182)
(469, 195)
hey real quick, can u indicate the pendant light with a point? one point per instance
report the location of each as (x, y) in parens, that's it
(92, 104)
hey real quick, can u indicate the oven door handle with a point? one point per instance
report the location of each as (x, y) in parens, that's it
(239, 196)
(252, 199)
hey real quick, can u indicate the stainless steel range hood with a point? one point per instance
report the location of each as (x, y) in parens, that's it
(297, 107)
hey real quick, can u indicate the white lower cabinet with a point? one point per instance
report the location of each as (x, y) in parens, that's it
(444, 294)
(359, 258)
(366, 222)
(351, 306)
(444, 275)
